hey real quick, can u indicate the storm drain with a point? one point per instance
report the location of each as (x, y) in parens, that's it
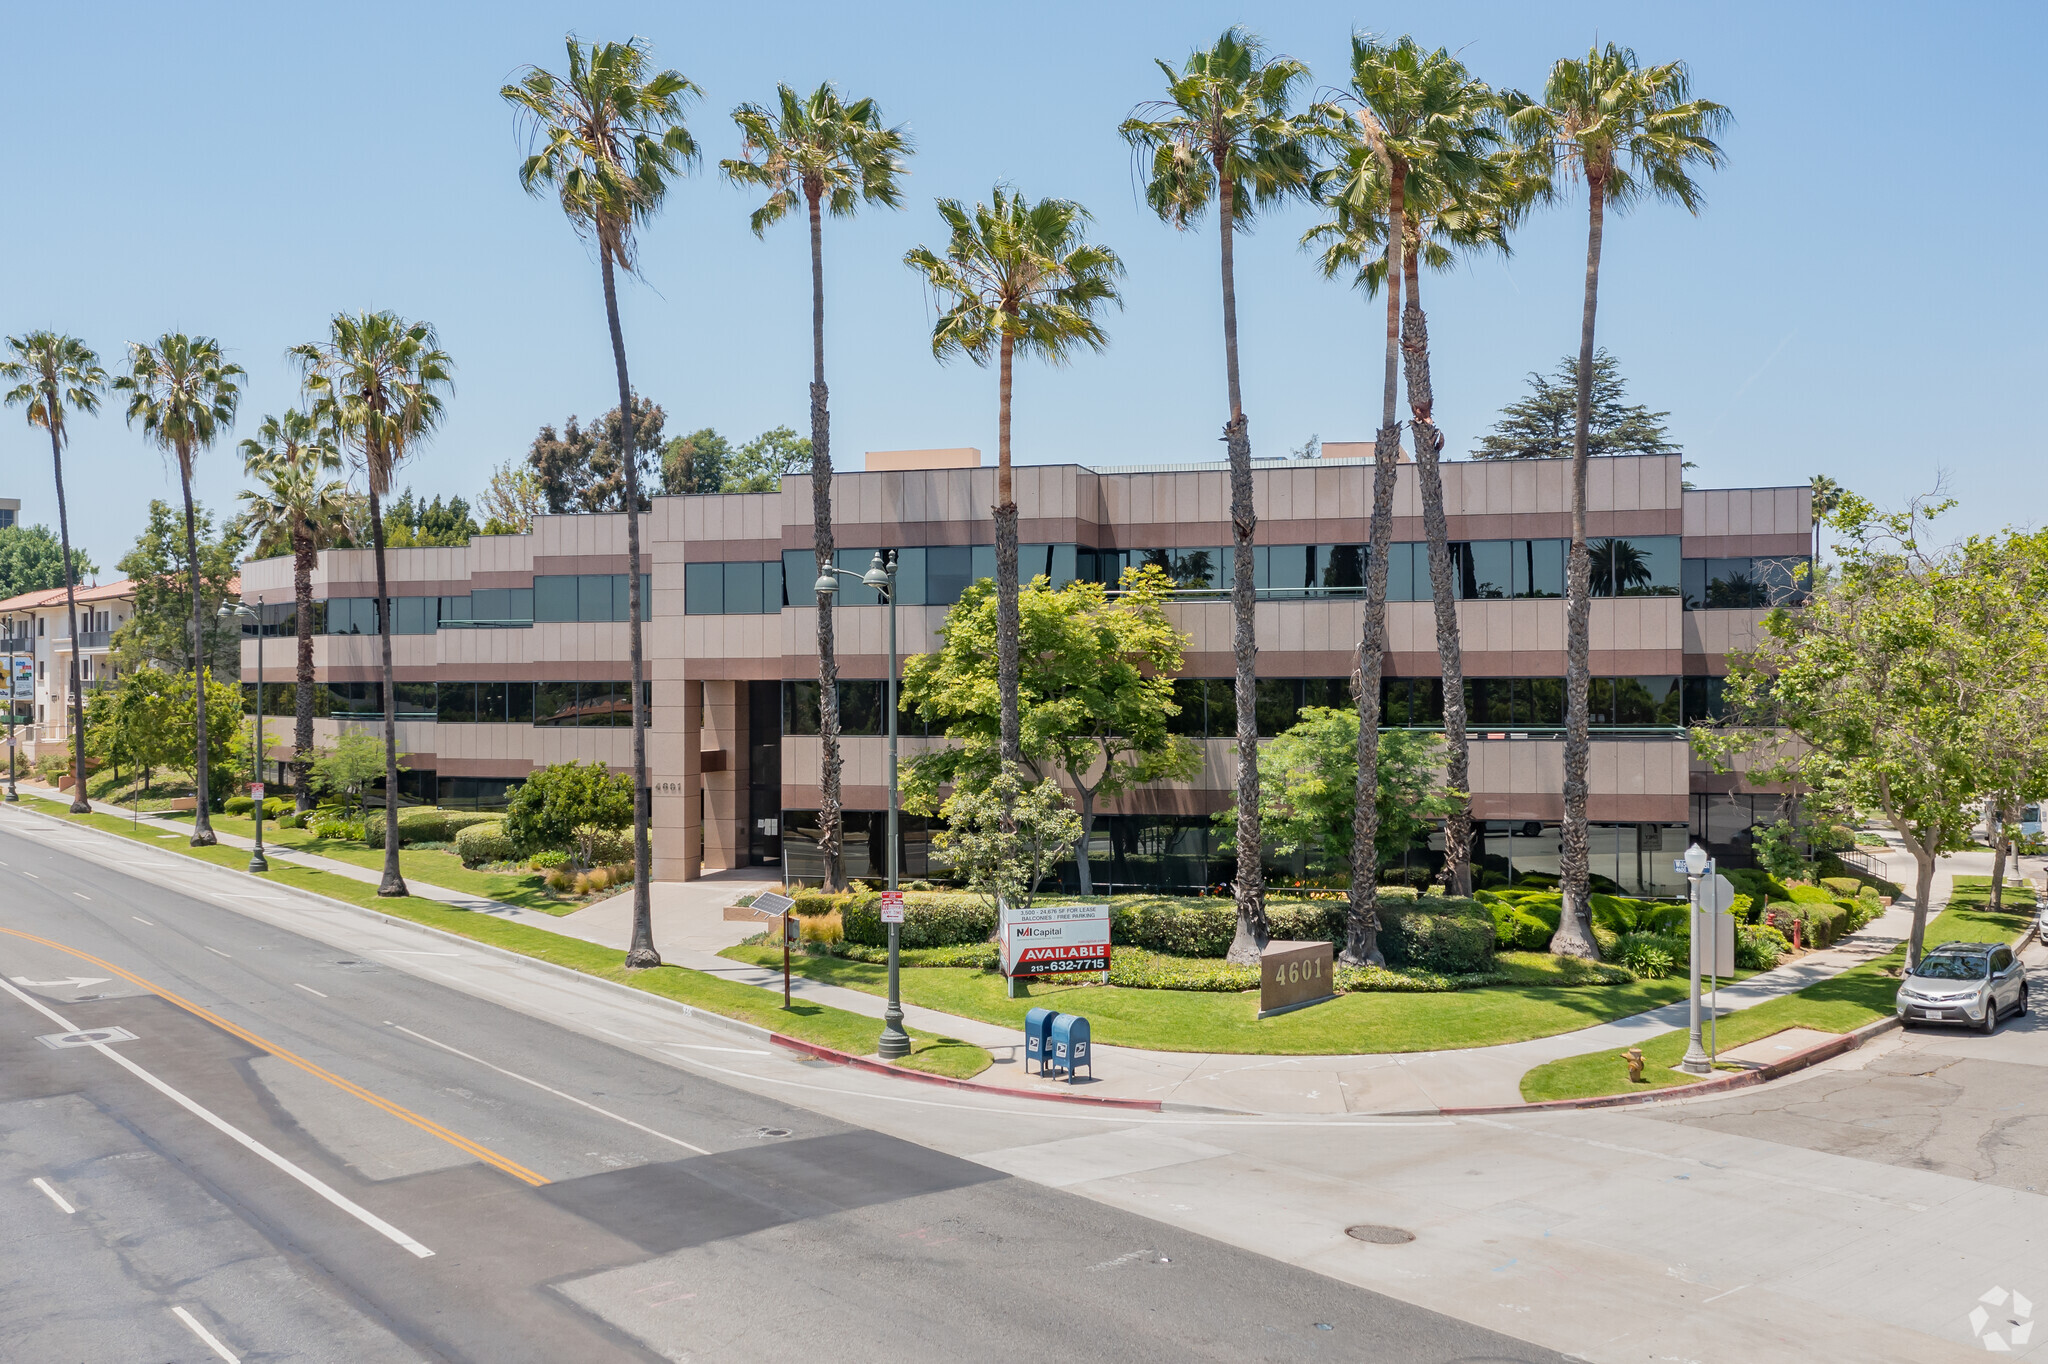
(771, 1131)
(1378, 1235)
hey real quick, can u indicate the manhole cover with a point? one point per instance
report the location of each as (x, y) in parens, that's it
(771, 1131)
(1379, 1236)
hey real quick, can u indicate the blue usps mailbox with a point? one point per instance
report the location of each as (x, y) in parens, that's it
(1068, 1049)
(1038, 1036)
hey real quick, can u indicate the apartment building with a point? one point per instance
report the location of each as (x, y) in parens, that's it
(35, 635)
(511, 652)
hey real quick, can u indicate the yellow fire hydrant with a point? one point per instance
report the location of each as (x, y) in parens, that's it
(1634, 1057)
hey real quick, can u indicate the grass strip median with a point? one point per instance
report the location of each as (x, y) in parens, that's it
(1859, 996)
(822, 1024)
(1226, 1021)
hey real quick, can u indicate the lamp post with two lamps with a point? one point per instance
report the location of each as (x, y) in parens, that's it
(881, 576)
(244, 612)
(1697, 865)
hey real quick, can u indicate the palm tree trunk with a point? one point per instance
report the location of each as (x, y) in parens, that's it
(202, 824)
(392, 883)
(1429, 444)
(80, 804)
(1999, 844)
(1250, 887)
(641, 953)
(1361, 925)
(831, 819)
(1008, 666)
(304, 559)
(1574, 935)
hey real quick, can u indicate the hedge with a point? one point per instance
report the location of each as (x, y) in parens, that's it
(425, 825)
(485, 842)
(930, 919)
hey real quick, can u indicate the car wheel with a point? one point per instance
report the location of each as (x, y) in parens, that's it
(2021, 1011)
(1990, 1024)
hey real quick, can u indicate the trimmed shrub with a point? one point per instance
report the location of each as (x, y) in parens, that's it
(482, 843)
(1607, 940)
(1651, 956)
(540, 861)
(1758, 947)
(238, 805)
(1524, 926)
(1804, 894)
(936, 919)
(1760, 886)
(1847, 887)
(1453, 944)
(338, 830)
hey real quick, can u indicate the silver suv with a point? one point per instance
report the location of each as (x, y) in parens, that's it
(1973, 983)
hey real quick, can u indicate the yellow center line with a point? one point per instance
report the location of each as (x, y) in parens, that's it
(399, 1111)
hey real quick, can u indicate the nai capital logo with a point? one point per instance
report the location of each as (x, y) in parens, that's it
(2002, 1337)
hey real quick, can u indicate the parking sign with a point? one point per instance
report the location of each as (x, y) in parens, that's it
(892, 906)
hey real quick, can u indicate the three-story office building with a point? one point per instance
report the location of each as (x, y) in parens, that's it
(510, 653)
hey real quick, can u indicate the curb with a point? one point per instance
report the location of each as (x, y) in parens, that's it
(753, 1031)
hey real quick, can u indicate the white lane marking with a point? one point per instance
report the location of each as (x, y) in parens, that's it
(68, 983)
(81, 895)
(211, 1340)
(55, 1197)
(206, 1115)
(144, 922)
(31, 875)
(309, 990)
(513, 1074)
(411, 952)
(1718, 1296)
(217, 952)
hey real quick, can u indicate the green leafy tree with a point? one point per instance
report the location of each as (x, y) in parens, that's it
(695, 463)
(1096, 686)
(1308, 783)
(827, 156)
(32, 560)
(1871, 696)
(412, 523)
(1826, 498)
(1631, 132)
(351, 767)
(2005, 619)
(159, 632)
(227, 736)
(295, 506)
(378, 382)
(142, 724)
(762, 463)
(511, 501)
(1541, 425)
(1016, 277)
(51, 374)
(608, 139)
(1227, 131)
(584, 468)
(1005, 835)
(566, 806)
(183, 391)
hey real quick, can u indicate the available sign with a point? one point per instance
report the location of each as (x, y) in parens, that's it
(1043, 940)
(892, 906)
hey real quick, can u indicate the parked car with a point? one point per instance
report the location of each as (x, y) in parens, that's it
(1972, 983)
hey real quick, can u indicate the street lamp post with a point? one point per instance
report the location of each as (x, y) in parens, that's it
(881, 575)
(1696, 1061)
(242, 611)
(13, 796)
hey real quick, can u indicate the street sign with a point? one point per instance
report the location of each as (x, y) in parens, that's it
(1043, 940)
(256, 792)
(892, 906)
(1717, 894)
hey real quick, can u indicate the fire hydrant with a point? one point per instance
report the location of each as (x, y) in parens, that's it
(1634, 1057)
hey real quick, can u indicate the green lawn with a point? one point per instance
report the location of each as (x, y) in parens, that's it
(835, 1028)
(1858, 996)
(1188, 1020)
(430, 865)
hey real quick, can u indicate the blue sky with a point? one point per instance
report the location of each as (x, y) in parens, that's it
(245, 171)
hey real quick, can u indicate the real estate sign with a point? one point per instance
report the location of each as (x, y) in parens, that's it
(1043, 940)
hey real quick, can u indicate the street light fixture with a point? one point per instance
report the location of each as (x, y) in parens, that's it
(243, 611)
(13, 796)
(881, 576)
(1697, 865)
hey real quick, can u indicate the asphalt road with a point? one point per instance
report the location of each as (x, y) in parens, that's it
(286, 1152)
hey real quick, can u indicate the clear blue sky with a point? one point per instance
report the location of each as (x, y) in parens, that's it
(245, 171)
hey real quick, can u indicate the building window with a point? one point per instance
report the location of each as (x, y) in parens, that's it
(587, 597)
(1635, 566)
(1754, 583)
(744, 588)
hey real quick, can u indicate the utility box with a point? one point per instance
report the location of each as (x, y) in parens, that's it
(1068, 1049)
(1038, 1036)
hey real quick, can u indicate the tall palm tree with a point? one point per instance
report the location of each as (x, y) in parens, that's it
(1015, 277)
(1631, 132)
(1425, 134)
(820, 151)
(183, 391)
(50, 373)
(379, 380)
(608, 138)
(1827, 496)
(1226, 130)
(296, 505)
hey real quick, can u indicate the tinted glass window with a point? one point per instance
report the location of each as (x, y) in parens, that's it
(554, 703)
(1489, 701)
(1403, 579)
(457, 703)
(1285, 568)
(554, 598)
(1278, 705)
(1394, 702)
(1782, 581)
(1191, 694)
(910, 574)
(1539, 701)
(1600, 701)
(1639, 566)
(417, 700)
(703, 589)
(490, 702)
(800, 707)
(1539, 568)
(1645, 700)
(454, 608)
(860, 708)
(1341, 567)
(1485, 569)
(743, 592)
(594, 597)
(948, 570)
(519, 703)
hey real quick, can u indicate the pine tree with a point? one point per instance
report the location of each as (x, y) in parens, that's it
(1540, 425)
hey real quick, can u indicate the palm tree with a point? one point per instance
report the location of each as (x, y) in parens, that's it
(607, 141)
(1827, 497)
(378, 379)
(1015, 277)
(1630, 132)
(183, 391)
(1225, 130)
(296, 505)
(826, 154)
(50, 373)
